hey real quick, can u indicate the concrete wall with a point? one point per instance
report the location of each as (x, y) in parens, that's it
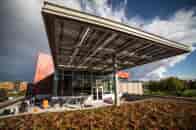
(131, 88)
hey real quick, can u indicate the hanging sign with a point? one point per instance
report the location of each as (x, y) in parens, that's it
(123, 74)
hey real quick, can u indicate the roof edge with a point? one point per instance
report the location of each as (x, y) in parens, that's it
(59, 10)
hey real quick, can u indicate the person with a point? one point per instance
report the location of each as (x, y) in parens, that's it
(35, 98)
(36, 91)
(29, 92)
(23, 107)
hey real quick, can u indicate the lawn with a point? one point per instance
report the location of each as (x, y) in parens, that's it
(152, 113)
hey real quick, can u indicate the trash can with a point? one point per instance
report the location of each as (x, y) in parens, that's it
(45, 104)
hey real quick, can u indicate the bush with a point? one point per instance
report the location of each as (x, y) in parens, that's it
(189, 93)
(151, 114)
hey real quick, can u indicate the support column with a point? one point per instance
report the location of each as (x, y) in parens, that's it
(91, 80)
(72, 78)
(55, 83)
(62, 82)
(115, 82)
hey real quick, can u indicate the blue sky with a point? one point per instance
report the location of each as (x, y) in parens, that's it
(148, 9)
(22, 33)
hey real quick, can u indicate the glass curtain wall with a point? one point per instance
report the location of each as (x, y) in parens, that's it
(75, 83)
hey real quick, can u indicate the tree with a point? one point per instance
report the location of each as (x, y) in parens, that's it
(193, 84)
(17, 85)
(153, 85)
(171, 84)
(3, 93)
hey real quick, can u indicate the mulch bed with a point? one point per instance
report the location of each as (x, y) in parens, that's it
(152, 113)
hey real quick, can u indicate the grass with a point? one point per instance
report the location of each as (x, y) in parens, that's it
(156, 113)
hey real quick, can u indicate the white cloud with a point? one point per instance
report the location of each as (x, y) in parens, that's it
(75, 4)
(181, 27)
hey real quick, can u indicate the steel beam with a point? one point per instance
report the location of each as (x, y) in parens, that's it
(107, 41)
(126, 45)
(79, 44)
(142, 48)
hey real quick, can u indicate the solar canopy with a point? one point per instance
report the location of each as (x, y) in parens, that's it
(80, 41)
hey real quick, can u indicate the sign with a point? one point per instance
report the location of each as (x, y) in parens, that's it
(122, 74)
(44, 67)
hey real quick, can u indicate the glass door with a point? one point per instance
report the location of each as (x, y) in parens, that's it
(94, 93)
(98, 93)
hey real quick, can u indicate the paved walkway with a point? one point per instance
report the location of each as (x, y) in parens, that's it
(38, 110)
(10, 102)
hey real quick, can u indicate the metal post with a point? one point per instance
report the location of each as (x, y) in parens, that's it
(91, 80)
(72, 78)
(55, 83)
(115, 82)
(62, 73)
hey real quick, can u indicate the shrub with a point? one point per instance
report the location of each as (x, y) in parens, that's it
(149, 114)
(189, 93)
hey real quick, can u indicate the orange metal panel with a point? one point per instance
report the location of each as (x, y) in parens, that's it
(44, 67)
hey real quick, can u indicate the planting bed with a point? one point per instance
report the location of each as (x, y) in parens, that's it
(148, 113)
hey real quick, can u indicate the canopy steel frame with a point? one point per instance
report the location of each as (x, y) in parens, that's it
(101, 39)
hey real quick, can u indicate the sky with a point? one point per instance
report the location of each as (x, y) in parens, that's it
(23, 36)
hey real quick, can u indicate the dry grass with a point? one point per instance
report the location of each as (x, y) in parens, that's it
(155, 113)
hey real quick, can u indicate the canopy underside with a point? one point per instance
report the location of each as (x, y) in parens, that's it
(84, 42)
